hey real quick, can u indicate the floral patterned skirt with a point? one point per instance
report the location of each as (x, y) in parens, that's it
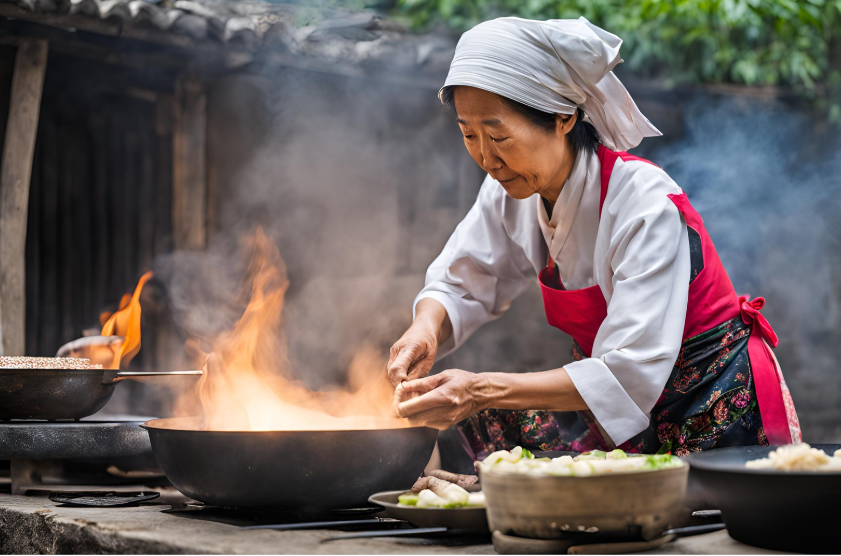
(709, 402)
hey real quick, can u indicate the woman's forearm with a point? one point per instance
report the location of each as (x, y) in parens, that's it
(433, 314)
(547, 390)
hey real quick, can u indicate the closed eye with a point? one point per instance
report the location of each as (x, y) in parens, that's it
(498, 139)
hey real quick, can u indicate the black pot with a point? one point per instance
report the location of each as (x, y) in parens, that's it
(778, 510)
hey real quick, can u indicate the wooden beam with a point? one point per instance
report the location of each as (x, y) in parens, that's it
(189, 174)
(95, 24)
(18, 151)
(70, 30)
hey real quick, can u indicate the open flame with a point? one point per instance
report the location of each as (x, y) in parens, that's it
(248, 384)
(125, 322)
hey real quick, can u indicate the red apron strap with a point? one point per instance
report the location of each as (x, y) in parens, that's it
(607, 158)
(769, 393)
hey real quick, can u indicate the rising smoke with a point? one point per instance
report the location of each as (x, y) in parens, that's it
(767, 186)
(360, 184)
(334, 170)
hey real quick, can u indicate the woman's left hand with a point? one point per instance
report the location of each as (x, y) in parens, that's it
(441, 400)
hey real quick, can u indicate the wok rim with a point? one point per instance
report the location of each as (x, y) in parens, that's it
(706, 461)
(53, 371)
(150, 425)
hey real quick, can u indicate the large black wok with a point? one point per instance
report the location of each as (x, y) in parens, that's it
(293, 470)
(59, 394)
(780, 510)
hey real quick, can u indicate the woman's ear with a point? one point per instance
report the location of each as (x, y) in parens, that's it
(565, 122)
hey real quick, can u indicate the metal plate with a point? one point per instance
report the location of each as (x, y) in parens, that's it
(102, 499)
(466, 519)
(36, 440)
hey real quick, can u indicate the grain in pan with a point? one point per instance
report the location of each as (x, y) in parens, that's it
(45, 363)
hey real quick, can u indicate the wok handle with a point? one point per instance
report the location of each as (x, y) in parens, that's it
(327, 524)
(132, 375)
(695, 530)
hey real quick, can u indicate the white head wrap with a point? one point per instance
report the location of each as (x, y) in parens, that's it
(555, 66)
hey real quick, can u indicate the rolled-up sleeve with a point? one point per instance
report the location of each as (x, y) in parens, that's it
(480, 271)
(639, 341)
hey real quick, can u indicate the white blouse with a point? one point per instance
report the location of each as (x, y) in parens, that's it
(638, 254)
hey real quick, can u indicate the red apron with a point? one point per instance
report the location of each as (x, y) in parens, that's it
(712, 301)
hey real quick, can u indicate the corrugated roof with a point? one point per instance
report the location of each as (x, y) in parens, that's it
(334, 40)
(239, 22)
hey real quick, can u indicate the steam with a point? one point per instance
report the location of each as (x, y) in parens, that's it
(767, 187)
(360, 183)
(313, 160)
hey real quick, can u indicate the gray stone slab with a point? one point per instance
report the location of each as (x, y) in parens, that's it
(30, 525)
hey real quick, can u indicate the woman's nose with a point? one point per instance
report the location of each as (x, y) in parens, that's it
(490, 161)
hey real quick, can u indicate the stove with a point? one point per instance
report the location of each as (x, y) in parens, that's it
(92, 452)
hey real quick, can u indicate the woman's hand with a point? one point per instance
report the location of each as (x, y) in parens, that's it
(413, 354)
(441, 400)
(444, 399)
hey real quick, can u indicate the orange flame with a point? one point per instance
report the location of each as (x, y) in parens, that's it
(247, 385)
(126, 323)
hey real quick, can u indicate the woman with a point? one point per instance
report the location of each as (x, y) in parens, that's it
(666, 355)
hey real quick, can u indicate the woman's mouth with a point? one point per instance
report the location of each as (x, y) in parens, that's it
(508, 180)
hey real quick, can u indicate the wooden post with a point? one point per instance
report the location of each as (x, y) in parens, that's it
(189, 180)
(18, 151)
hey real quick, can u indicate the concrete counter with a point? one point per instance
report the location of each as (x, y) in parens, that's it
(34, 524)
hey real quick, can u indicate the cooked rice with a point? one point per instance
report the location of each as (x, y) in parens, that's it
(48, 363)
(798, 457)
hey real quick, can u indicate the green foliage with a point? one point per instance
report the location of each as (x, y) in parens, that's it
(792, 43)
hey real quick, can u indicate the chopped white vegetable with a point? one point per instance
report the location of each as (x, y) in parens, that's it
(582, 468)
(454, 494)
(452, 498)
(476, 499)
(428, 499)
(596, 462)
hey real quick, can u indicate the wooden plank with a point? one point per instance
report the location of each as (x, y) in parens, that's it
(164, 110)
(34, 270)
(7, 70)
(16, 169)
(189, 175)
(50, 288)
(101, 232)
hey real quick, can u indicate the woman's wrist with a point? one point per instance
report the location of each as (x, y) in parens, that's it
(491, 390)
(546, 390)
(431, 315)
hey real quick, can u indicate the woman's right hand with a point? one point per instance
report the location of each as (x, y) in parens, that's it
(412, 356)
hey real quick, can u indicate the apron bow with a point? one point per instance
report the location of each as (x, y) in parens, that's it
(750, 314)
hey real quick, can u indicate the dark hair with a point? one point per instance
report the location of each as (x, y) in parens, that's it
(582, 136)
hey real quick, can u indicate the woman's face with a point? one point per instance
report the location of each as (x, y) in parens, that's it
(524, 158)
